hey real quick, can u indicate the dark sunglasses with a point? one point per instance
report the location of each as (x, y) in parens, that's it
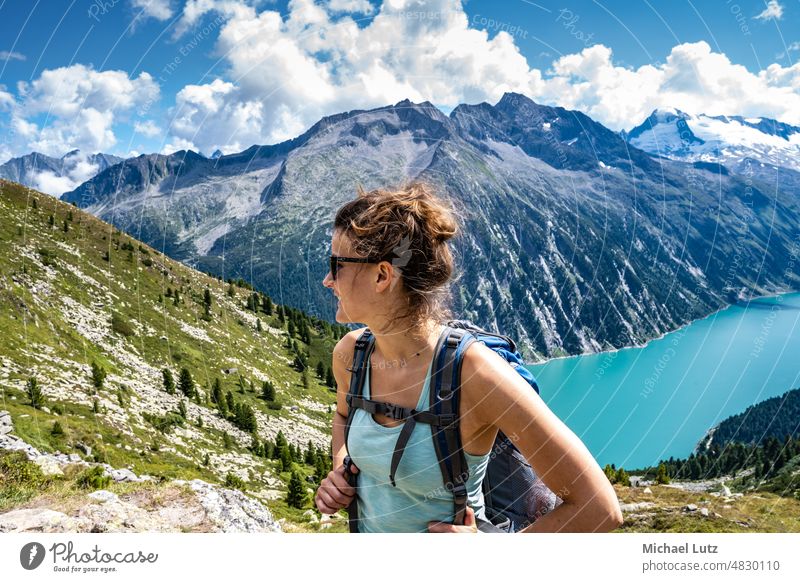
(336, 260)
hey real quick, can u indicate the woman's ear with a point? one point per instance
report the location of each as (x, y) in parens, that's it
(385, 277)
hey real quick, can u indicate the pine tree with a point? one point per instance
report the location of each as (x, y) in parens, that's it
(185, 383)
(57, 430)
(311, 454)
(66, 226)
(259, 327)
(296, 496)
(230, 401)
(182, 408)
(169, 381)
(216, 392)
(34, 393)
(330, 380)
(623, 478)
(280, 440)
(286, 458)
(267, 305)
(662, 478)
(98, 375)
(207, 303)
(305, 379)
(268, 391)
(611, 474)
(227, 441)
(320, 370)
(206, 460)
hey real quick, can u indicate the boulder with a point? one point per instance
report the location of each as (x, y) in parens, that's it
(48, 465)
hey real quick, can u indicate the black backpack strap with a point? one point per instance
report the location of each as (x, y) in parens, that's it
(358, 373)
(444, 400)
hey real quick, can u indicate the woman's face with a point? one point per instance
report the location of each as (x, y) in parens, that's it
(351, 287)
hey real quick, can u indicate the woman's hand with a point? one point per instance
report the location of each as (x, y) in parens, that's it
(335, 492)
(470, 526)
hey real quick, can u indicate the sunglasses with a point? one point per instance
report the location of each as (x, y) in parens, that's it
(336, 260)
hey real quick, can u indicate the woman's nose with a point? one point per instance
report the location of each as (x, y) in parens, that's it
(328, 280)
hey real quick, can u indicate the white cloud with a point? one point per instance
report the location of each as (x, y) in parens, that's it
(287, 72)
(352, 6)
(773, 10)
(158, 9)
(11, 56)
(77, 108)
(693, 79)
(147, 128)
(77, 170)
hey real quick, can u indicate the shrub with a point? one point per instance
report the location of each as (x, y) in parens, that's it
(234, 482)
(274, 405)
(93, 478)
(57, 430)
(164, 423)
(20, 479)
(121, 325)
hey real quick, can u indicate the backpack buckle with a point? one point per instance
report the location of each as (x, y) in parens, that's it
(447, 420)
(393, 411)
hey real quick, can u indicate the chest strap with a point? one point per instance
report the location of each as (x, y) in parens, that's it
(411, 417)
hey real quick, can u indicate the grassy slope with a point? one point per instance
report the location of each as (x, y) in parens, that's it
(57, 296)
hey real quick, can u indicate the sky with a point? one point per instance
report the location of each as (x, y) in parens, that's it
(142, 76)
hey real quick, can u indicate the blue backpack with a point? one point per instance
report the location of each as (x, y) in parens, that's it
(514, 496)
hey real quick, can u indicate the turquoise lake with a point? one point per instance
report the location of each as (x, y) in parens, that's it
(635, 406)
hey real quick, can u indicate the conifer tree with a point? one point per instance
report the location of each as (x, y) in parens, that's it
(169, 381)
(186, 384)
(230, 401)
(662, 478)
(320, 370)
(286, 458)
(182, 408)
(216, 392)
(296, 496)
(268, 391)
(623, 478)
(57, 430)
(330, 380)
(98, 375)
(207, 303)
(34, 393)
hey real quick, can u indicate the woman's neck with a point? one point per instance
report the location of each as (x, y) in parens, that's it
(400, 344)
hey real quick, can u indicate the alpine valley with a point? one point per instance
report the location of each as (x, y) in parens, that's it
(574, 240)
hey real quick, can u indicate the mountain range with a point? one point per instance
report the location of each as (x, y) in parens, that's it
(55, 175)
(728, 140)
(574, 239)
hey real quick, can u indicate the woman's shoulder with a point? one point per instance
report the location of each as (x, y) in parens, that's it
(343, 350)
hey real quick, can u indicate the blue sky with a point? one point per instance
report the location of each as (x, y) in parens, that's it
(135, 76)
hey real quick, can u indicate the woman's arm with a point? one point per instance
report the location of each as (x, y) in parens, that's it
(505, 401)
(334, 491)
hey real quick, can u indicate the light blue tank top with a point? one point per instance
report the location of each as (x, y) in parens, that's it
(420, 495)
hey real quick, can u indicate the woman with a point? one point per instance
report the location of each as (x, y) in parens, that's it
(390, 266)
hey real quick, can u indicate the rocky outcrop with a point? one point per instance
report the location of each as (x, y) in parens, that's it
(178, 506)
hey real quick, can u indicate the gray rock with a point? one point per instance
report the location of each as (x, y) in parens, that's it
(48, 465)
(87, 450)
(690, 507)
(38, 519)
(704, 511)
(233, 511)
(103, 496)
(630, 507)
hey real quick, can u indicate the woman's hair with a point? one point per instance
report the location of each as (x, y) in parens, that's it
(408, 226)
